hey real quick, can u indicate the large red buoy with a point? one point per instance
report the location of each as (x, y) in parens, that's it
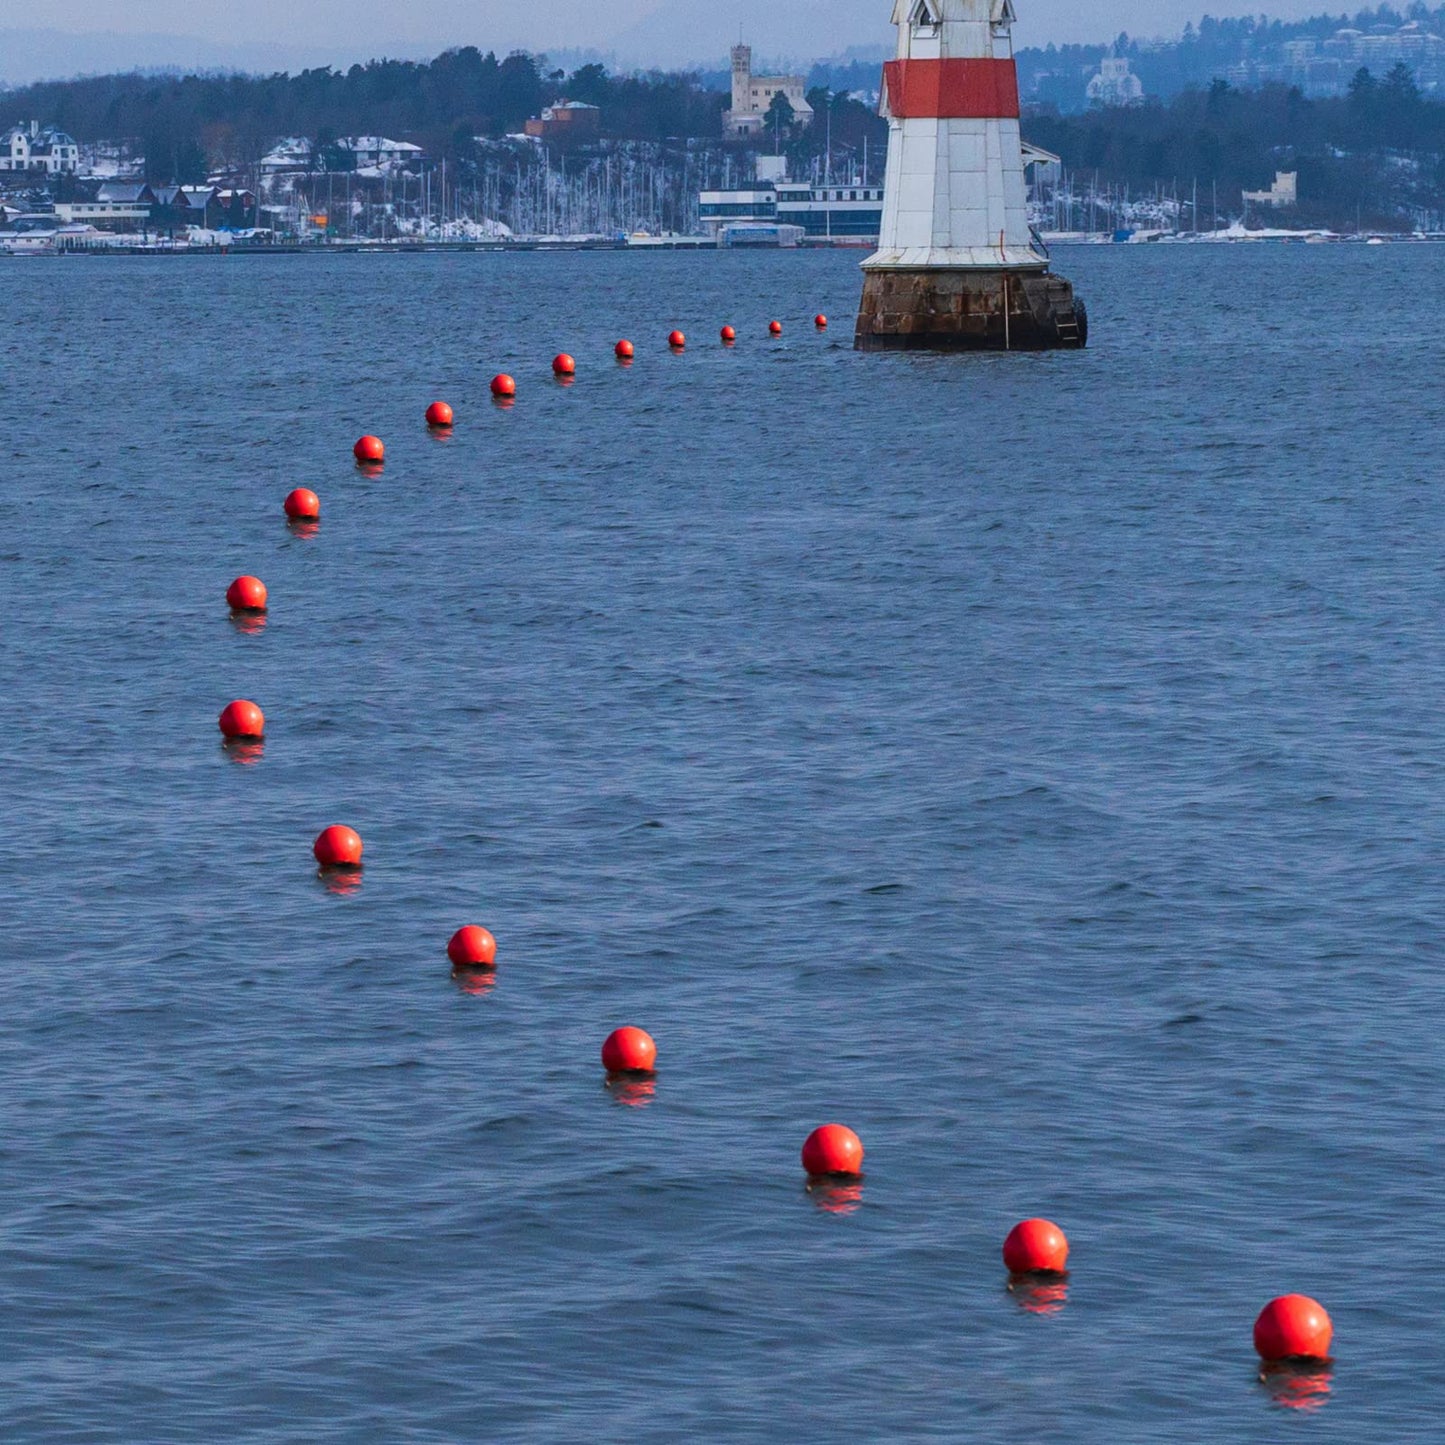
(629, 1050)
(624, 350)
(1036, 1246)
(820, 321)
(302, 505)
(503, 385)
(242, 719)
(729, 335)
(369, 450)
(247, 594)
(676, 340)
(775, 328)
(563, 365)
(338, 847)
(1293, 1327)
(833, 1149)
(472, 947)
(439, 415)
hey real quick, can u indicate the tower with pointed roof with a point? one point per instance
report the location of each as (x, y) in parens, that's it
(958, 266)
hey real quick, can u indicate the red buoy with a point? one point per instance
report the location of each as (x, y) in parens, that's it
(563, 365)
(728, 335)
(338, 847)
(503, 385)
(629, 1050)
(247, 594)
(438, 414)
(369, 449)
(676, 340)
(472, 947)
(624, 350)
(302, 505)
(820, 321)
(1293, 1327)
(1037, 1246)
(775, 328)
(242, 719)
(833, 1149)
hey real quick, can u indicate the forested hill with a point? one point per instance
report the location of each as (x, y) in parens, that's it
(1376, 155)
(440, 104)
(1376, 152)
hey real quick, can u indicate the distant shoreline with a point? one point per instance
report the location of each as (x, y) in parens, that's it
(679, 244)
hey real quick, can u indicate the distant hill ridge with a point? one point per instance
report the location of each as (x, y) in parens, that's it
(467, 87)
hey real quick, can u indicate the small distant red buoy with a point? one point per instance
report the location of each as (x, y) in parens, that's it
(1293, 1327)
(624, 350)
(1037, 1246)
(338, 847)
(820, 321)
(775, 328)
(247, 594)
(472, 947)
(729, 335)
(564, 365)
(439, 414)
(629, 1051)
(242, 719)
(833, 1149)
(302, 505)
(676, 340)
(369, 449)
(503, 385)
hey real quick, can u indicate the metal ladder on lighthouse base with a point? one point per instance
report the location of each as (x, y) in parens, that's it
(1061, 307)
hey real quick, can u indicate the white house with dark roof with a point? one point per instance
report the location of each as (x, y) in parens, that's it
(291, 154)
(28, 147)
(377, 150)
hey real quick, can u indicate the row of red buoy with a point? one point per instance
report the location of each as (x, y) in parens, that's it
(370, 451)
(1291, 1327)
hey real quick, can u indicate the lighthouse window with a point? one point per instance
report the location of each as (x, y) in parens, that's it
(924, 18)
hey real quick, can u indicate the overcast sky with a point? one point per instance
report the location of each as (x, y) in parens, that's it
(291, 32)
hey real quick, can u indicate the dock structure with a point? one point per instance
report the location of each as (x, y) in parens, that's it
(958, 268)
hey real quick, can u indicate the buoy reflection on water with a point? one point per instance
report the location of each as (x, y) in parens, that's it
(1039, 1294)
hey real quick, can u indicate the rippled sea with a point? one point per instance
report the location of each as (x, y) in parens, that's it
(1034, 762)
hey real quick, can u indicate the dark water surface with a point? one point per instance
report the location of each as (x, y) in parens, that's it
(1034, 762)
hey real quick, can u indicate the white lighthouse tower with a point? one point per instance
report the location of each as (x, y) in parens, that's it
(957, 266)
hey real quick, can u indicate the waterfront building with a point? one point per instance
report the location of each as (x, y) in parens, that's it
(237, 210)
(753, 96)
(28, 147)
(125, 206)
(852, 211)
(178, 207)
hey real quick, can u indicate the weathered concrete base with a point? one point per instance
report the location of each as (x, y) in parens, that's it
(969, 311)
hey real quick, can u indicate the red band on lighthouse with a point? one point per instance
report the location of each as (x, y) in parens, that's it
(952, 89)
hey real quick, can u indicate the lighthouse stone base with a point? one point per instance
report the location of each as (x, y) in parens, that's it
(969, 310)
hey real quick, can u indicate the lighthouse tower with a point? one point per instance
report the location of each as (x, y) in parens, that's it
(957, 266)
